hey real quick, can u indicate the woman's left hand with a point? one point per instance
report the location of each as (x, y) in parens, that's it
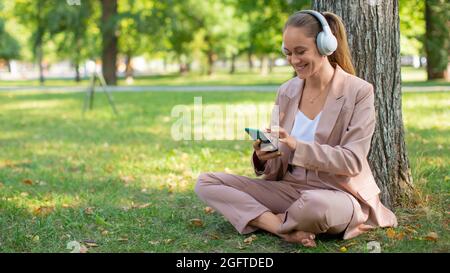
(285, 138)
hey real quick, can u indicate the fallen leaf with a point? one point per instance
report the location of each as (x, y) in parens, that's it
(89, 210)
(350, 244)
(168, 241)
(105, 232)
(250, 239)
(208, 210)
(142, 206)
(43, 210)
(400, 235)
(27, 182)
(123, 239)
(153, 242)
(91, 244)
(343, 249)
(127, 179)
(432, 236)
(35, 238)
(196, 222)
(390, 233)
(214, 236)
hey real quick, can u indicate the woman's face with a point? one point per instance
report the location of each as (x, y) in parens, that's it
(301, 52)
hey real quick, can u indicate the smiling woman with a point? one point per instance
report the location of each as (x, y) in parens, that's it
(319, 180)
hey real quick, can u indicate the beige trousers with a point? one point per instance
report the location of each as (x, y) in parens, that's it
(241, 199)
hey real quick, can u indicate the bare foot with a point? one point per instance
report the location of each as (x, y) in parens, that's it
(301, 237)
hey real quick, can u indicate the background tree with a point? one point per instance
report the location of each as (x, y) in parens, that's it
(139, 27)
(74, 32)
(9, 46)
(34, 14)
(266, 19)
(109, 30)
(374, 40)
(412, 27)
(437, 40)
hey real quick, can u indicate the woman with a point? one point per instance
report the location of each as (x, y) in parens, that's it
(319, 181)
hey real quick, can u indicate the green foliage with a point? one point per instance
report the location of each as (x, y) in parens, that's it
(412, 26)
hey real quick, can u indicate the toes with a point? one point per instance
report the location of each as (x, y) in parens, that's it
(308, 243)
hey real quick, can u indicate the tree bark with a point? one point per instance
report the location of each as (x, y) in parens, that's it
(77, 72)
(8, 64)
(40, 64)
(436, 38)
(233, 64)
(250, 59)
(109, 41)
(128, 66)
(374, 40)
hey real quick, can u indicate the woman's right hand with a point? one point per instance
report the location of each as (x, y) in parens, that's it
(262, 155)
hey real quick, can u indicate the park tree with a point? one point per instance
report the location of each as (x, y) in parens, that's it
(140, 30)
(266, 19)
(374, 40)
(109, 29)
(437, 40)
(74, 32)
(9, 46)
(412, 27)
(180, 31)
(34, 14)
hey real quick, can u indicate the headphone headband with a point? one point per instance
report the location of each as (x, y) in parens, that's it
(322, 20)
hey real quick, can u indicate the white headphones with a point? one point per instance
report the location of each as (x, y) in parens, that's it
(325, 40)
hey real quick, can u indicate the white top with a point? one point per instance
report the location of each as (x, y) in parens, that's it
(304, 128)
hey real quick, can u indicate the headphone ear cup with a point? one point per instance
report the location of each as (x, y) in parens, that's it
(326, 44)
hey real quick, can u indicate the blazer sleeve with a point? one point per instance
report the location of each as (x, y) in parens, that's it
(272, 169)
(346, 158)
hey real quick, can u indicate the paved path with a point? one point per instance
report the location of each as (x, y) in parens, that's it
(209, 88)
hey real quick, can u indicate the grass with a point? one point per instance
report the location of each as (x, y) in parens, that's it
(125, 185)
(410, 77)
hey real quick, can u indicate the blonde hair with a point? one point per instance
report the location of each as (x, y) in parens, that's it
(312, 26)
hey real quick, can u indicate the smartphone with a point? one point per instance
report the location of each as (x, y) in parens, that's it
(267, 143)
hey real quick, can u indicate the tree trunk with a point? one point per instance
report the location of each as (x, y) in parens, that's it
(40, 64)
(128, 67)
(436, 38)
(250, 60)
(8, 64)
(233, 64)
(271, 63)
(77, 71)
(109, 41)
(210, 62)
(374, 40)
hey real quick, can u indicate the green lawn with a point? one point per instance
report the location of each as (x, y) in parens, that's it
(410, 77)
(125, 185)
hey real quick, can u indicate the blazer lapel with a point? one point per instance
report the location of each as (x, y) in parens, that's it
(294, 94)
(332, 108)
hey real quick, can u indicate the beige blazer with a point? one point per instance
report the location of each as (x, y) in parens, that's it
(338, 156)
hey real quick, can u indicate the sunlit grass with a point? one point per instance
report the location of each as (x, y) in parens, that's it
(105, 178)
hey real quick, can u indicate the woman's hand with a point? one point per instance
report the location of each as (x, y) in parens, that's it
(286, 138)
(262, 155)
